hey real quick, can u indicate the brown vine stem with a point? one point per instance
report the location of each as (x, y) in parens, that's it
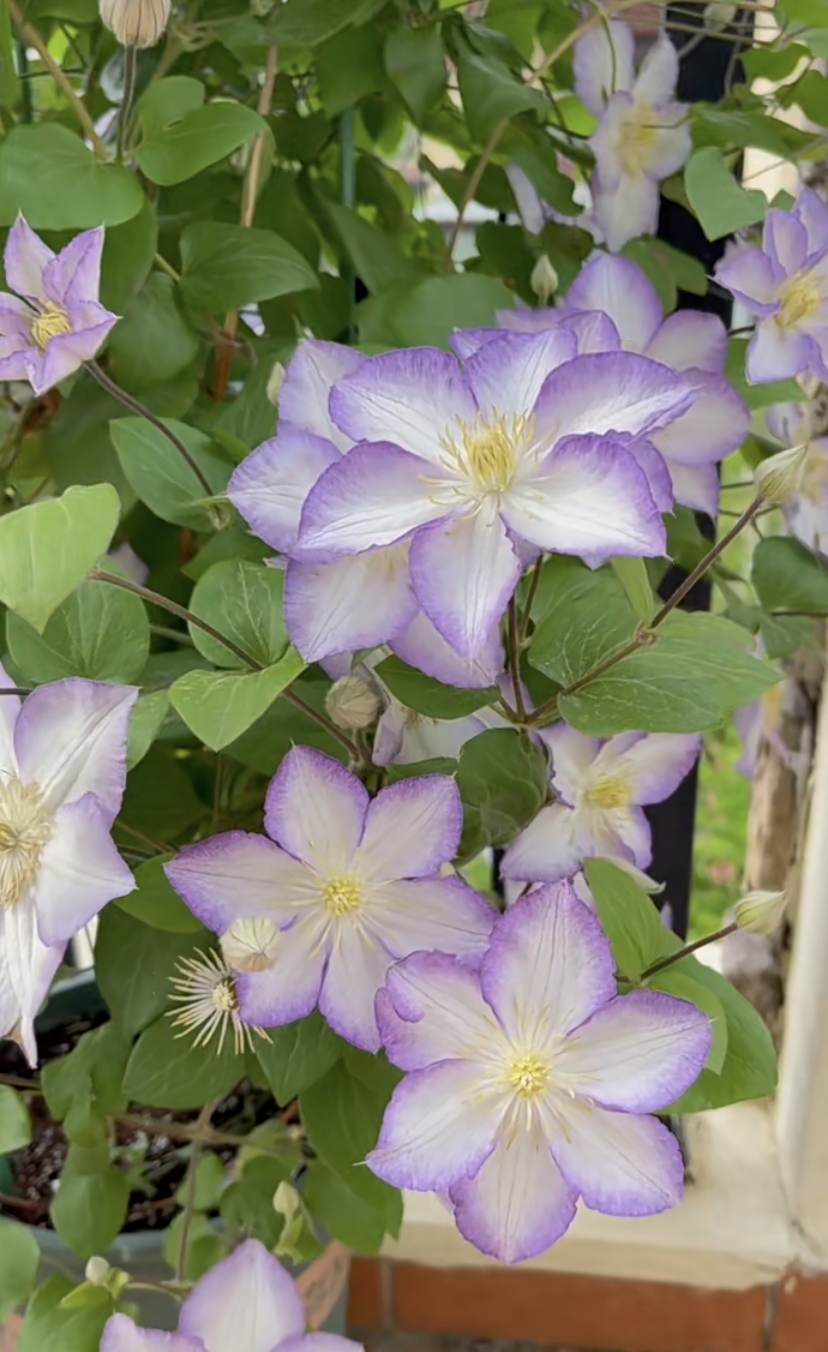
(514, 660)
(687, 950)
(201, 1129)
(250, 191)
(33, 38)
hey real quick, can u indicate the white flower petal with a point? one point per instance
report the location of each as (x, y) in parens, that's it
(122, 1334)
(620, 1164)
(356, 970)
(305, 394)
(316, 810)
(27, 970)
(604, 63)
(248, 1303)
(546, 850)
(80, 871)
(506, 374)
(433, 915)
(238, 875)
(289, 988)
(618, 288)
(432, 1010)
(357, 601)
(412, 828)
(657, 78)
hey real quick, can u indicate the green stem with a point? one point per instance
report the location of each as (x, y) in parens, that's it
(33, 38)
(530, 598)
(710, 558)
(514, 660)
(130, 61)
(201, 1126)
(687, 950)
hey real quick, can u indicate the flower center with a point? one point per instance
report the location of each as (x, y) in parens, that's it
(25, 827)
(488, 450)
(801, 296)
(638, 139)
(609, 793)
(225, 998)
(342, 896)
(52, 322)
(528, 1076)
(251, 945)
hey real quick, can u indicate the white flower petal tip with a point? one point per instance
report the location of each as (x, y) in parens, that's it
(529, 1084)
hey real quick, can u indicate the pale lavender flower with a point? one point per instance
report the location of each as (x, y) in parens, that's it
(806, 513)
(247, 1303)
(351, 881)
(642, 136)
(525, 444)
(601, 787)
(55, 323)
(62, 778)
(404, 736)
(785, 285)
(529, 1084)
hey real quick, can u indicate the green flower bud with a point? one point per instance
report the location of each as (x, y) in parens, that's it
(760, 912)
(275, 383)
(780, 476)
(544, 279)
(353, 702)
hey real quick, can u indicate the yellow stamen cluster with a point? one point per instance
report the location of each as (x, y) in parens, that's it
(609, 793)
(800, 297)
(488, 450)
(25, 827)
(640, 132)
(528, 1076)
(52, 322)
(342, 896)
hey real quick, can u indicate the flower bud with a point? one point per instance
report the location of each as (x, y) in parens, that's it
(275, 382)
(286, 1200)
(353, 702)
(717, 16)
(544, 279)
(780, 476)
(760, 912)
(97, 1272)
(136, 23)
(251, 945)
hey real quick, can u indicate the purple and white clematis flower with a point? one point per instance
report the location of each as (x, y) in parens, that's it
(351, 881)
(330, 607)
(55, 323)
(642, 136)
(62, 778)
(601, 788)
(529, 1084)
(785, 285)
(806, 514)
(526, 445)
(247, 1303)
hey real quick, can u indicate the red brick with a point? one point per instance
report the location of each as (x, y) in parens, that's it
(801, 1323)
(366, 1299)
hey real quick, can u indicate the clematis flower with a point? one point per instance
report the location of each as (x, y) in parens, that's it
(526, 444)
(528, 1085)
(330, 607)
(62, 778)
(247, 1303)
(785, 285)
(601, 789)
(55, 323)
(404, 736)
(806, 513)
(642, 136)
(351, 882)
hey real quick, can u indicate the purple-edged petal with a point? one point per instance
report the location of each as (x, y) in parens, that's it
(289, 988)
(653, 765)
(80, 870)
(621, 1165)
(691, 338)
(412, 397)
(657, 78)
(316, 809)
(594, 332)
(122, 1334)
(240, 875)
(27, 969)
(75, 274)
(375, 495)
(638, 1054)
(622, 291)
(655, 470)
(518, 1203)
(247, 1302)
(546, 850)
(25, 260)
(18, 362)
(440, 915)
(412, 828)
(590, 496)
(356, 971)
(71, 739)
(67, 353)
(15, 318)
(548, 953)
(319, 1342)
(604, 62)
(523, 320)
(423, 646)
(774, 353)
(357, 601)
(626, 209)
(811, 211)
(785, 239)
(269, 487)
(432, 1010)
(716, 425)
(439, 1127)
(305, 394)
(696, 486)
(753, 279)
(612, 392)
(507, 374)
(465, 342)
(476, 553)
(9, 713)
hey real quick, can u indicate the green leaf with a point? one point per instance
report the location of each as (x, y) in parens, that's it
(787, 576)
(685, 987)
(342, 1116)
(160, 799)
(305, 23)
(160, 475)
(427, 696)
(135, 963)
(167, 101)
(48, 175)
(491, 93)
(186, 144)
(784, 635)
(48, 548)
(15, 1129)
(167, 1070)
(344, 1215)
(503, 782)
(743, 127)
(349, 66)
(264, 745)
(219, 706)
(243, 600)
(127, 258)
(378, 259)
(582, 616)
(89, 1209)
(50, 1327)
(772, 63)
(210, 1179)
(153, 342)
(148, 714)
(99, 632)
(225, 267)
(19, 1261)
(634, 578)
(669, 270)
(298, 1054)
(9, 83)
(156, 904)
(628, 917)
(721, 206)
(431, 311)
(416, 62)
(696, 671)
(247, 1205)
(203, 1247)
(530, 147)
